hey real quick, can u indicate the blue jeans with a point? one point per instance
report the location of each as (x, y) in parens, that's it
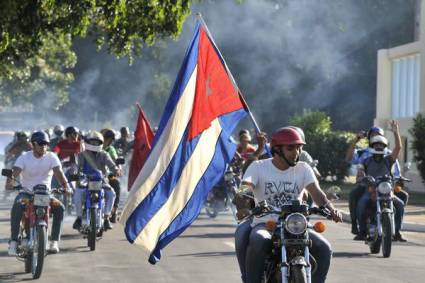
(366, 200)
(241, 244)
(257, 243)
(80, 198)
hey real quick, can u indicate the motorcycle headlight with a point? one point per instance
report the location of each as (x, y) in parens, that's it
(384, 188)
(296, 223)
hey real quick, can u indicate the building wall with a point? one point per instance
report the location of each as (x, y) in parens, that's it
(399, 97)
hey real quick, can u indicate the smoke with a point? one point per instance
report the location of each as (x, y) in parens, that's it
(286, 56)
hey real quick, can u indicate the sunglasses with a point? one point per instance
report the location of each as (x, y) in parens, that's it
(292, 147)
(42, 143)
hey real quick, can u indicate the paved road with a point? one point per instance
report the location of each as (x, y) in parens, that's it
(204, 253)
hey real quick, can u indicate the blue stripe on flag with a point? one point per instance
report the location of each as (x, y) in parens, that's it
(162, 190)
(224, 152)
(188, 66)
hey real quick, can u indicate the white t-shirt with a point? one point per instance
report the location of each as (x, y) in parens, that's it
(37, 171)
(272, 184)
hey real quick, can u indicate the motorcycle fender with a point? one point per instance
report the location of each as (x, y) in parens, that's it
(386, 210)
(42, 223)
(299, 260)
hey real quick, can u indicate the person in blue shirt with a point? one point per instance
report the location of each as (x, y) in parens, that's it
(357, 156)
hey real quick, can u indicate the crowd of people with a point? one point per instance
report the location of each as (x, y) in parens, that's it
(35, 158)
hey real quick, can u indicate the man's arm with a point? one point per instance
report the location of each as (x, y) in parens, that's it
(350, 151)
(397, 147)
(320, 198)
(11, 181)
(60, 177)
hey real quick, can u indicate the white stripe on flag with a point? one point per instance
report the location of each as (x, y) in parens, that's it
(164, 150)
(192, 173)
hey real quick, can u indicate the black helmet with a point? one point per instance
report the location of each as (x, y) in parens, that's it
(71, 130)
(108, 134)
(40, 137)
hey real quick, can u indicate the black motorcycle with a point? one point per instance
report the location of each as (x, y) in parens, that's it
(290, 259)
(221, 196)
(380, 216)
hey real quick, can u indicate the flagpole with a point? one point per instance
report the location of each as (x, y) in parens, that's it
(257, 128)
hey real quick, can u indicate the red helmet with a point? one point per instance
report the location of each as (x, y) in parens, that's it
(286, 136)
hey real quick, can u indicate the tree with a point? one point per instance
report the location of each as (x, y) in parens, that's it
(325, 145)
(418, 143)
(122, 27)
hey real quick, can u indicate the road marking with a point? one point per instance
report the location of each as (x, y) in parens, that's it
(230, 244)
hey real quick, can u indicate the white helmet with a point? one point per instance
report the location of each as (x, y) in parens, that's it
(378, 139)
(93, 136)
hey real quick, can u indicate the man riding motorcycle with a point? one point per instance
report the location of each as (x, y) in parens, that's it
(283, 177)
(97, 159)
(58, 131)
(36, 167)
(109, 138)
(124, 144)
(378, 165)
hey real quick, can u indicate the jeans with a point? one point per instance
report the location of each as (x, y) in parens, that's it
(115, 184)
(353, 199)
(241, 244)
(365, 200)
(260, 244)
(18, 210)
(80, 198)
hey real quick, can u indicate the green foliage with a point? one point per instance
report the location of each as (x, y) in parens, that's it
(43, 78)
(323, 144)
(28, 27)
(418, 143)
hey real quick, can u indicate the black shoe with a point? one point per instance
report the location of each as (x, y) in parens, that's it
(107, 225)
(360, 237)
(354, 229)
(77, 224)
(399, 238)
(113, 218)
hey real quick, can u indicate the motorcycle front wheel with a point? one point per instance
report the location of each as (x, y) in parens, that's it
(298, 274)
(91, 237)
(387, 234)
(211, 211)
(39, 251)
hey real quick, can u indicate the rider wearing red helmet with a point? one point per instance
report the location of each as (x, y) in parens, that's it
(282, 178)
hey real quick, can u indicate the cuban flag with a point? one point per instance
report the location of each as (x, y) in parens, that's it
(190, 152)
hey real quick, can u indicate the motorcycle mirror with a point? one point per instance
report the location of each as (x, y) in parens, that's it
(7, 172)
(120, 161)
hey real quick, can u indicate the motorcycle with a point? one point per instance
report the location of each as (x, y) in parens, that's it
(221, 196)
(380, 219)
(93, 182)
(290, 259)
(32, 239)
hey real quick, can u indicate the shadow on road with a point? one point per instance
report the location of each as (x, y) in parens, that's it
(11, 277)
(213, 226)
(209, 254)
(210, 235)
(71, 237)
(79, 249)
(349, 254)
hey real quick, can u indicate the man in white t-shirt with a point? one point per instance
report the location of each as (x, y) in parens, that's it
(37, 168)
(275, 179)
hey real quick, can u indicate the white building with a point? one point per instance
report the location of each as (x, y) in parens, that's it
(401, 93)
